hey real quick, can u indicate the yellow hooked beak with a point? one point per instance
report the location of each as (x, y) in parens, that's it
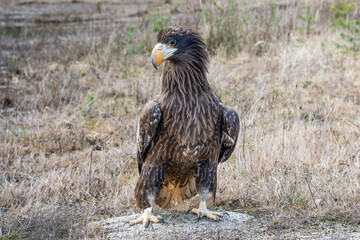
(160, 53)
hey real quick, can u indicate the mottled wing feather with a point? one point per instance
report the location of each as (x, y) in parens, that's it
(149, 121)
(230, 131)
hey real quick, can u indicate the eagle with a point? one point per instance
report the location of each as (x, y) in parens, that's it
(185, 132)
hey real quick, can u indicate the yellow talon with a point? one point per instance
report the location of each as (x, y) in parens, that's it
(202, 211)
(146, 218)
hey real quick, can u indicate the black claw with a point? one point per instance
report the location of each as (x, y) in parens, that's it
(161, 219)
(199, 216)
(225, 213)
(127, 222)
(189, 210)
(149, 224)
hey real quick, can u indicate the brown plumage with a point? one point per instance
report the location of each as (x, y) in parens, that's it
(185, 131)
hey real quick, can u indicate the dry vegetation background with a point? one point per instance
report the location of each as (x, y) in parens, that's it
(74, 76)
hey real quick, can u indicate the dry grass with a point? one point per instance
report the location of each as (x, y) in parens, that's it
(65, 91)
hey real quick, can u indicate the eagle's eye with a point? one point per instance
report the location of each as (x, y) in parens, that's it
(173, 42)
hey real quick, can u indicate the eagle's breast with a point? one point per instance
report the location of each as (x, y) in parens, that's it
(192, 121)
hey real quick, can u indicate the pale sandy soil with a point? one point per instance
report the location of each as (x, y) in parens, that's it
(182, 225)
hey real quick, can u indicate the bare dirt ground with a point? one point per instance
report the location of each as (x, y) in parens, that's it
(182, 225)
(178, 225)
(75, 74)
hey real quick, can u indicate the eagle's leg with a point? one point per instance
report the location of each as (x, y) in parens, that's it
(147, 189)
(202, 211)
(146, 218)
(205, 183)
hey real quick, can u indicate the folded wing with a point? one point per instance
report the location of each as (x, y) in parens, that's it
(147, 129)
(230, 131)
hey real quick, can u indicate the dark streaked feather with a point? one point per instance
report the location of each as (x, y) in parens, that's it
(149, 121)
(229, 135)
(206, 179)
(149, 185)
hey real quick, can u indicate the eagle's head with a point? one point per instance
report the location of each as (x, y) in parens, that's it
(180, 45)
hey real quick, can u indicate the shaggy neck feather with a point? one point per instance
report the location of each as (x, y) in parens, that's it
(187, 77)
